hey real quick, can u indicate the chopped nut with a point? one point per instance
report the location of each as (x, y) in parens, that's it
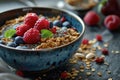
(79, 55)
(106, 45)
(82, 67)
(106, 63)
(88, 73)
(117, 52)
(90, 56)
(81, 70)
(99, 74)
(110, 79)
(109, 72)
(93, 69)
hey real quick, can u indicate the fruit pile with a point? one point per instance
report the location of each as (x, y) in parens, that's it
(111, 10)
(34, 30)
(112, 22)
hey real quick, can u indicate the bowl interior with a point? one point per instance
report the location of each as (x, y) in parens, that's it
(71, 17)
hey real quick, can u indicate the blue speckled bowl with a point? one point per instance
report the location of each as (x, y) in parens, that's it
(36, 60)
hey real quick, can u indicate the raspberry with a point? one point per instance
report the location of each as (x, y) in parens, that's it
(42, 23)
(112, 22)
(19, 73)
(99, 37)
(21, 29)
(105, 51)
(91, 18)
(31, 36)
(85, 41)
(53, 30)
(30, 19)
(99, 60)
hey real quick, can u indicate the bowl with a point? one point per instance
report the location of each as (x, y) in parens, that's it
(80, 5)
(37, 60)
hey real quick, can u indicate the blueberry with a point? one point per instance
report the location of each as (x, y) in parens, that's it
(66, 24)
(64, 29)
(57, 23)
(12, 44)
(19, 40)
(51, 24)
(21, 47)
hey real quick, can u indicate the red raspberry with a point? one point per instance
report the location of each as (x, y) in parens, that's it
(112, 22)
(85, 41)
(20, 73)
(99, 37)
(42, 23)
(53, 30)
(64, 75)
(62, 19)
(30, 19)
(91, 18)
(21, 29)
(99, 60)
(105, 51)
(31, 36)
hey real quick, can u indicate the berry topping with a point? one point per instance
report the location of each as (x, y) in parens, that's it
(53, 30)
(51, 24)
(21, 29)
(99, 60)
(105, 51)
(30, 19)
(85, 41)
(66, 24)
(112, 22)
(12, 44)
(57, 23)
(42, 23)
(19, 40)
(19, 73)
(99, 37)
(91, 18)
(31, 36)
(62, 19)
(64, 75)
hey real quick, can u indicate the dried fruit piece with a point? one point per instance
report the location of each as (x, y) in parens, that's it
(19, 73)
(99, 37)
(105, 51)
(64, 75)
(99, 60)
(62, 19)
(85, 41)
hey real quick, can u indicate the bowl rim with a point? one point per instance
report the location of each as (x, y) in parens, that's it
(48, 49)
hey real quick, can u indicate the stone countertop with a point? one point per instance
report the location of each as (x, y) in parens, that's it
(112, 59)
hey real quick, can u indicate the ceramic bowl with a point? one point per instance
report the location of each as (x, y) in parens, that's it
(37, 60)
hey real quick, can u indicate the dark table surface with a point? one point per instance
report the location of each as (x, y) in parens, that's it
(112, 59)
